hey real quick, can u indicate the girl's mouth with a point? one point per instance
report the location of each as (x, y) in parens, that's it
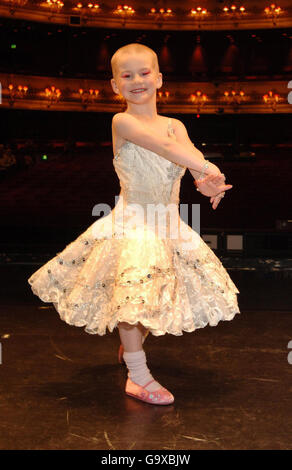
(140, 90)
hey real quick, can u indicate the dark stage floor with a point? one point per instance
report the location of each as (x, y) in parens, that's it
(62, 388)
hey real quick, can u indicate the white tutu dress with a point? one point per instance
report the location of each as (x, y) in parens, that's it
(141, 262)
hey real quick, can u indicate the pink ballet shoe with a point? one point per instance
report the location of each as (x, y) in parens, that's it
(160, 397)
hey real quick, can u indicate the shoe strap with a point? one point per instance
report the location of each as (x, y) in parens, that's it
(153, 380)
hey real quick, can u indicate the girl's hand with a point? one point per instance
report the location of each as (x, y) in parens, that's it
(212, 185)
(215, 200)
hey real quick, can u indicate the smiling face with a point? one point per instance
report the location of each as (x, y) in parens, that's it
(135, 77)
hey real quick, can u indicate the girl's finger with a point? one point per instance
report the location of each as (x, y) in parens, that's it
(224, 187)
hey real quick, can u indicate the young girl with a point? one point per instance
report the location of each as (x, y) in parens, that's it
(131, 272)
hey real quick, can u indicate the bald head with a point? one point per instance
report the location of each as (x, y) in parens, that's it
(132, 50)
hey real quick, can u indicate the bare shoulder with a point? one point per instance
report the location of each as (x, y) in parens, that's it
(178, 125)
(126, 127)
(117, 121)
(116, 117)
(151, 135)
(123, 117)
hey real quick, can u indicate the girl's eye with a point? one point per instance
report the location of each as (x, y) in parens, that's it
(144, 73)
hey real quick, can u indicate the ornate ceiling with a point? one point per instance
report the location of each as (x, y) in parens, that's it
(170, 14)
(234, 58)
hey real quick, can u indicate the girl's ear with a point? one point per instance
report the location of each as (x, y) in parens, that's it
(159, 80)
(114, 86)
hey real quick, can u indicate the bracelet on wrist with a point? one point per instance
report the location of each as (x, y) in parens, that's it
(202, 174)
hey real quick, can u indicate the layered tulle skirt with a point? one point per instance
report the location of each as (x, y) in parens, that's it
(121, 272)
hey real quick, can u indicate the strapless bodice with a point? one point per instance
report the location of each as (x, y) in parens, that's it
(146, 177)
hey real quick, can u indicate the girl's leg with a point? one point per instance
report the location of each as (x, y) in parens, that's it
(134, 355)
(131, 336)
(145, 332)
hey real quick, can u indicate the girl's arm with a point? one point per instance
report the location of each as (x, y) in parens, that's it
(132, 129)
(182, 137)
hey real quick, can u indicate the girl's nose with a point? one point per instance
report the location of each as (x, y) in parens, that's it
(137, 78)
